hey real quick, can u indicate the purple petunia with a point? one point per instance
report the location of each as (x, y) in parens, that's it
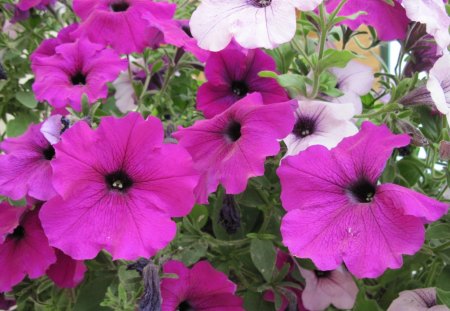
(232, 146)
(77, 68)
(25, 168)
(200, 288)
(232, 74)
(120, 23)
(118, 186)
(337, 211)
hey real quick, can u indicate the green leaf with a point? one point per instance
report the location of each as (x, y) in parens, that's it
(27, 99)
(199, 216)
(263, 255)
(438, 231)
(442, 281)
(20, 124)
(294, 84)
(443, 297)
(335, 58)
(93, 291)
(364, 304)
(255, 302)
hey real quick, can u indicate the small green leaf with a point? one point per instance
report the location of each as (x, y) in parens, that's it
(364, 304)
(255, 302)
(263, 255)
(20, 124)
(438, 231)
(27, 99)
(443, 297)
(335, 58)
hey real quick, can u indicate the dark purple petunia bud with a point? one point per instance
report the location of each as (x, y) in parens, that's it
(3, 75)
(229, 216)
(151, 299)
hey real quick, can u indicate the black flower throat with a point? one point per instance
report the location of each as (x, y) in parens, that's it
(118, 181)
(362, 191)
(185, 306)
(233, 131)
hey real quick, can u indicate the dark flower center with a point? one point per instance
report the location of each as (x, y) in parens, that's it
(233, 131)
(260, 3)
(239, 88)
(121, 6)
(78, 78)
(304, 126)
(187, 30)
(362, 191)
(185, 306)
(49, 153)
(18, 233)
(322, 274)
(118, 181)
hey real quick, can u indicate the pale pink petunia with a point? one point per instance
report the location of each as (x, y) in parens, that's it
(25, 167)
(118, 187)
(325, 288)
(201, 288)
(433, 14)
(438, 85)
(54, 126)
(320, 123)
(232, 74)
(421, 299)
(354, 80)
(253, 24)
(231, 147)
(66, 272)
(77, 68)
(120, 23)
(25, 251)
(337, 211)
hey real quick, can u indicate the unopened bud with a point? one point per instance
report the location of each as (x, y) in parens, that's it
(417, 138)
(444, 150)
(3, 75)
(229, 216)
(151, 299)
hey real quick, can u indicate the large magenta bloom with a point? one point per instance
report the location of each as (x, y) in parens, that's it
(390, 21)
(25, 250)
(118, 185)
(232, 74)
(232, 147)
(119, 23)
(77, 68)
(25, 168)
(337, 212)
(200, 288)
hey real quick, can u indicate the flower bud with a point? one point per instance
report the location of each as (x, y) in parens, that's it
(229, 216)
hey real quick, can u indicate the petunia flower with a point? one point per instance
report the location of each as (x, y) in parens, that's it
(25, 168)
(438, 85)
(119, 23)
(25, 5)
(421, 299)
(55, 126)
(25, 250)
(177, 33)
(66, 272)
(232, 74)
(390, 21)
(253, 24)
(320, 123)
(231, 147)
(200, 288)
(78, 68)
(325, 288)
(354, 80)
(118, 187)
(48, 46)
(337, 211)
(433, 14)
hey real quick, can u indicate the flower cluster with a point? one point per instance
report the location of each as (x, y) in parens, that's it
(238, 156)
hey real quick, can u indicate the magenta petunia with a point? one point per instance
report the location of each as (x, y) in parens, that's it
(232, 146)
(27, 241)
(119, 23)
(25, 168)
(77, 68)
(48, 47)
(390, 21)
(66, 272)
(232, 74)
(177, 33)
(200, 288)
(118, 187)
(337, 211)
